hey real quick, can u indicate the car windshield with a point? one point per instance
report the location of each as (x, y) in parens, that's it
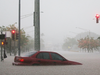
(28, 54)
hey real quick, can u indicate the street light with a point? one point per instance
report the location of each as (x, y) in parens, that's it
(84, 30)
(75, 33)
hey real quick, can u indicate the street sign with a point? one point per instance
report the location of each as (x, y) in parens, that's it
(2, 36)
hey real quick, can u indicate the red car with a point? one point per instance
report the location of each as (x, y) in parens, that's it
(42, 58)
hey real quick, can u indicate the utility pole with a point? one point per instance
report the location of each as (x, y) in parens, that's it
(37, 25)
(19, 30)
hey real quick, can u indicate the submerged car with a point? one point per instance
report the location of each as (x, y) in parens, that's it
(42, 58)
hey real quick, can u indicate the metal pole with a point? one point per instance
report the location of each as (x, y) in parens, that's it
(5, 56)
(37, 25)
(34, 28)
(19, 31)
(10, 47)
(1, 47)
(89, 39)
(14, 47)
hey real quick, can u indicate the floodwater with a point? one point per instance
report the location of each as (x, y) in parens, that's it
(90, 61)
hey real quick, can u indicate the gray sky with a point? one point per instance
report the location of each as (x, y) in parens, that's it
(59, 17)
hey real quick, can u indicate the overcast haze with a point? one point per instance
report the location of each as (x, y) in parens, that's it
(58, 18)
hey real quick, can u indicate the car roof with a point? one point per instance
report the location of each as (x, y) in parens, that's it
(47, 51)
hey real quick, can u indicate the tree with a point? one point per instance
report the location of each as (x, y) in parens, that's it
(69, 43)
(24, 39)
(89, 44)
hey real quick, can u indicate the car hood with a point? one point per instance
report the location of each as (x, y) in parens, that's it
(74, 63)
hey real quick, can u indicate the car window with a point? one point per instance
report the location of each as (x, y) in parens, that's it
(28, 54)
(39, 56)
(56, 56)
(46, 56)
(43, 56)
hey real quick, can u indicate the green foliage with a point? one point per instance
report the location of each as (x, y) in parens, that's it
(25, 41)
(68, 43)
(22, 33)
